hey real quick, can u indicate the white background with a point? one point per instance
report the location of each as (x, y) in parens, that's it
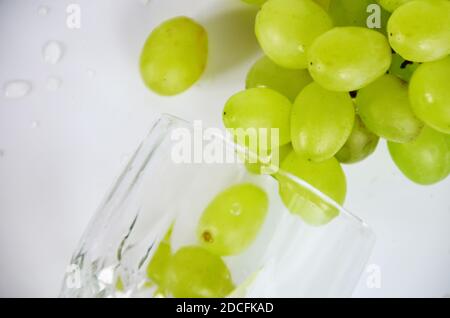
(54, 173)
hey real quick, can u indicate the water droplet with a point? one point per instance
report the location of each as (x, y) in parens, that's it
(17, 89)
(144, 2)
(52, 52)
(2, 153)
(34, 124)
(43, 10)
(91, 73)
(235, 209)
(53, 83)
(301, 48)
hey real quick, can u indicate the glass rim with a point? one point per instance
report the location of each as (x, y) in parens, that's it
(354, 218)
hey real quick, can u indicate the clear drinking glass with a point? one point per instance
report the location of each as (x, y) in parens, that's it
(288, 258)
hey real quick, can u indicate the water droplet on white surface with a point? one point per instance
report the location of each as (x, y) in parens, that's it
(17, 89)
(53, 83)
(34, 124)
(43, 10)
(144, 2)
(52, 52)
(91, 73)
(2, 153)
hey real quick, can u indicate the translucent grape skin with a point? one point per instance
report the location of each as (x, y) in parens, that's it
(385, 109)
(429, 93)
(321, 122)
(257, 167)
(326, 176)
(346, 59)
(256, 108)
(420, 30)
(174, 56)
(402, 68)
(354, 13)
(360, 144)
(265, 73)
(425, 160)
(232, 220)
(391, 5)
(196, 273)
(285, 29)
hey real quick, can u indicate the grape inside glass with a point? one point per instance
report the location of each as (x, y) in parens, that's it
(155, 208)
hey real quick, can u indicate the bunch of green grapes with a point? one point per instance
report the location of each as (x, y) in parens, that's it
(335, 77)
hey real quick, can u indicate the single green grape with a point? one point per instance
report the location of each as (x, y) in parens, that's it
(174, 56)
(429, 92)
(323, 3)
(286, 29)
(360, 144)
(354, 13)
(425, 160)
(326, 176)
(268, 165)
(157, 267)
(402, 68)
(257, 2)
(385, 109)
(345, 59)
(447, 139)
(321, 121)
(391, 5)
(119, 285)
(420, 30)
(232, 220)
(258, 108)
(197, 273)
(265, 73)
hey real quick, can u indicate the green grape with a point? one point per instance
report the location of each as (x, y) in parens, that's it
(420, 30)
(157, 267)
(265, 73)
(429, 92)
(268, 165)
(321, 121)
(286, 29)
(391, 5)
(257, 108)
(402, 68)
(425, 160)
(258, 2)
(326, 176)
(119, 284)
(196, 273)
(385, 109)
(345, 59)
(354, 13)
(448, 151)
(174, 56)
(360, 144)
(323, 3)
(232, 219)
